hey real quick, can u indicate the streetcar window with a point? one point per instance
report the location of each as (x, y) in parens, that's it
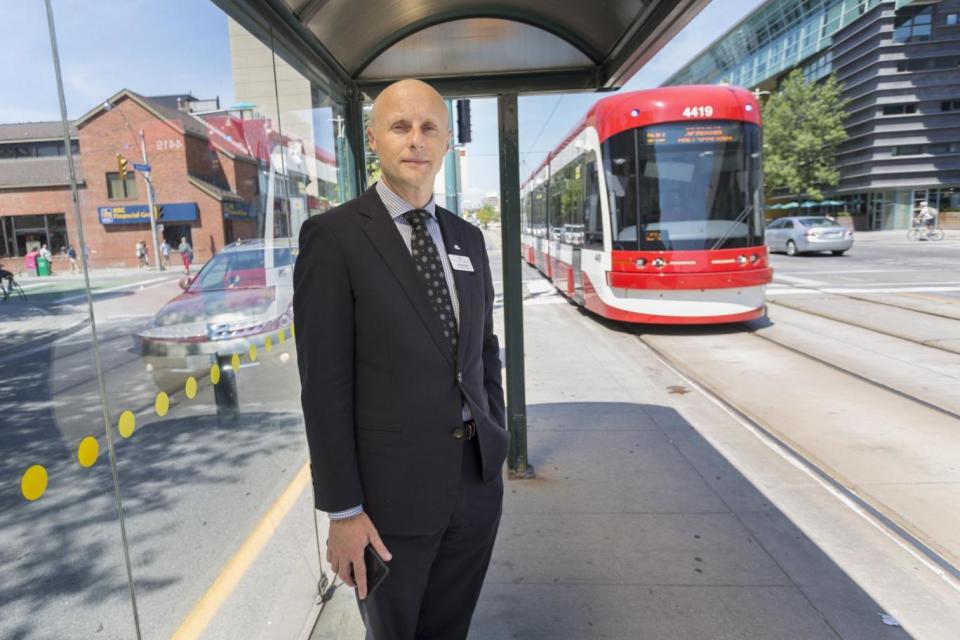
(685, 186)
(620, 169)
(592, 222)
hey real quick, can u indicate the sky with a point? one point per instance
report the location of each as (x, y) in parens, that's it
(157, 47)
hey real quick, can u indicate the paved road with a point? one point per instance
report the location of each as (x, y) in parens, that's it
(855, 369)
(192, 487)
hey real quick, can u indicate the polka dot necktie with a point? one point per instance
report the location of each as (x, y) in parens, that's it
(427, 260)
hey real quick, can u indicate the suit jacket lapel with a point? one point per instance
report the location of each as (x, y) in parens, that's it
(452, 238)
(383, 233)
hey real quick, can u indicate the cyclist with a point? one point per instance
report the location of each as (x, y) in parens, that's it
(6, 275)
(927, 216)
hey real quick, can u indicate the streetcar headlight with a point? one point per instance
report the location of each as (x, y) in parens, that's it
(741, 260)
(658, 263)
(640, 263)
(634, 113)
(753, 258)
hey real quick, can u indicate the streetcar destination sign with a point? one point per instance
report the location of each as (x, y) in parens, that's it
(693, 133)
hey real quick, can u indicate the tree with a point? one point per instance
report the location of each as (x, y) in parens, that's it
(802, 127)
(372, 159)
(487, 214)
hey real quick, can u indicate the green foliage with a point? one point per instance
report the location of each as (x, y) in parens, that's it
(802, 127)
(372, 160)
(487, 214)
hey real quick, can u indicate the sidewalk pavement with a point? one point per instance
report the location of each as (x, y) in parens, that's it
(657, 514)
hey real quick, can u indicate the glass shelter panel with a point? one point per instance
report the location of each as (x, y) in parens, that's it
(155, 465)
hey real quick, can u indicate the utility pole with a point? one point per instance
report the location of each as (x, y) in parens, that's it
(150, 203)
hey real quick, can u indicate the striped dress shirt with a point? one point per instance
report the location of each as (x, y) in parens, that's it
(396, 207)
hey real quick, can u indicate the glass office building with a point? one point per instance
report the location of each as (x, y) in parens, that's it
(899, 65)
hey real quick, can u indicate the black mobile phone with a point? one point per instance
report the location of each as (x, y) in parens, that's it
(377, 569)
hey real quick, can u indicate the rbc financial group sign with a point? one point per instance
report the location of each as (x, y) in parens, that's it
(140, 213)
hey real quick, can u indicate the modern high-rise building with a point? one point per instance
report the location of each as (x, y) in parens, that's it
(898, 62)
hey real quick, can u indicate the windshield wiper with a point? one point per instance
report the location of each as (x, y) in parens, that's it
(736, 221)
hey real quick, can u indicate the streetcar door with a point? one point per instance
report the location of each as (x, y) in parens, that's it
(587, 223)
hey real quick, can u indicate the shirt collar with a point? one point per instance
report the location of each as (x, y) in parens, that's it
(397, 206)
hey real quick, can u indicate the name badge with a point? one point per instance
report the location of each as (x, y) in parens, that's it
(461, 263)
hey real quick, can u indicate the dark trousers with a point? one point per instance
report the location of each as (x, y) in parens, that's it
(434, 581)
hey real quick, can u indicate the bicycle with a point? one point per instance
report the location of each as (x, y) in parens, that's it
(13, 287)
(923, 232)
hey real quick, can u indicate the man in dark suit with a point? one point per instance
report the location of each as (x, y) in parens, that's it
(400, 374)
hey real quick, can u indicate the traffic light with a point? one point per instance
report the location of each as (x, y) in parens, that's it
(157, 212)
(463, 121)
(123, 166)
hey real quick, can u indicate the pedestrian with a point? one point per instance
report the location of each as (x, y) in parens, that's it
(48, 256)
(30, 261)
(165, 254)
(400, 370)
(141, 253)
(72, 257)
(186, 254)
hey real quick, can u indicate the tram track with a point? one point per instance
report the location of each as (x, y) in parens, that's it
(847, 371)
(814, 464)
(867, 327)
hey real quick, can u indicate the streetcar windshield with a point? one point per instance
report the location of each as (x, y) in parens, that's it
(685, 186)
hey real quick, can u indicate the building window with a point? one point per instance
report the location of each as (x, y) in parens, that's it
(953, 19)
(926, 64)
(913, 24)
(950, 105)
(899, 109)
(45, 149)
(907, 150)
(118, 189)
(944, 147)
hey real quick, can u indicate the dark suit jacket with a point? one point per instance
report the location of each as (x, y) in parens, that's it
(381, 392)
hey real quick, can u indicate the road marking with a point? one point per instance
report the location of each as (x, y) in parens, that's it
(841, 290)
(206, 608)
(796, 280)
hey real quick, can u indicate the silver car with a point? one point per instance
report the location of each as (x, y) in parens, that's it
(805, 234)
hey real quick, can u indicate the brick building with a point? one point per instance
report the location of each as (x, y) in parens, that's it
(207, 183)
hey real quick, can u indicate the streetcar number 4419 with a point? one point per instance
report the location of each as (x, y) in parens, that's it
(698, 112)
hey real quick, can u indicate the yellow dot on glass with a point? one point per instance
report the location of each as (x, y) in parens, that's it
(34, 482)
(253, 353)
(162, 405)
(127, 424)
(268, 344)
(235, 362)
(190, 388)
(215, 374)
(282, 335)
(88, 451)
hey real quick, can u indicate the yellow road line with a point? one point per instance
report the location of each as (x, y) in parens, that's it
(202, 613)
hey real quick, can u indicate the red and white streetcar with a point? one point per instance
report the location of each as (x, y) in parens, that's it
(651, 210)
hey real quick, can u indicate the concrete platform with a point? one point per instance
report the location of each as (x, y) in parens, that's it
(657, 514)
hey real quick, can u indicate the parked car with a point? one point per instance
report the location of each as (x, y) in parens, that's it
(240, 297)
(807, 234)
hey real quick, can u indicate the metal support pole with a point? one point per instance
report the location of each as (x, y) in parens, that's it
(356, 138)
(519, 467)
(150, 203)
(450, 166)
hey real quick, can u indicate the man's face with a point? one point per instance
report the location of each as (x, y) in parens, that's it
(410, 133)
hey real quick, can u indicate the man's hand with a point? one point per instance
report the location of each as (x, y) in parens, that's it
(348, 538)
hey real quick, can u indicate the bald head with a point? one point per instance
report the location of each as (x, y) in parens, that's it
(409, 130)
(408, 90)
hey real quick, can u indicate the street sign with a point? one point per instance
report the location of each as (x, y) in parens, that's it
(142, 168)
